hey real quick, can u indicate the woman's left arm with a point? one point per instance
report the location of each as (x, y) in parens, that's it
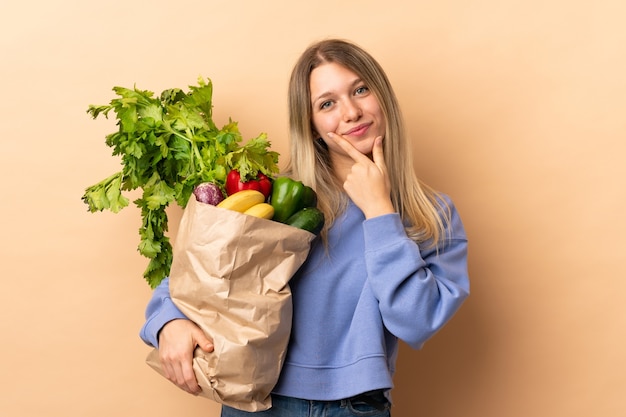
(418, 289)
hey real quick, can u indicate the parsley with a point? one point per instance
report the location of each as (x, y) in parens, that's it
(167, 146)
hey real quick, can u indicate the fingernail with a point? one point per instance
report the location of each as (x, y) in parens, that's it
(331, 135)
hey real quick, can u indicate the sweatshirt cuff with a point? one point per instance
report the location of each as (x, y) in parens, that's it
(168, 312)
(381, 231)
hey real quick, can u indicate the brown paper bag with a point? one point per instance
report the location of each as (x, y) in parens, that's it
(230, 275)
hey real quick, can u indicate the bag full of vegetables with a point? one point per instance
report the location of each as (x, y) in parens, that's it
(231, 264)
(230, 275)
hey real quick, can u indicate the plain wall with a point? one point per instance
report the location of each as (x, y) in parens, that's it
(517, 110)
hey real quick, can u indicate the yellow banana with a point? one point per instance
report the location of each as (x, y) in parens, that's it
(262, 210)
(242, 200)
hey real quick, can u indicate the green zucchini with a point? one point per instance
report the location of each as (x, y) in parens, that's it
(308, 218)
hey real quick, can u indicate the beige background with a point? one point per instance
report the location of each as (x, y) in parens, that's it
(518, 111)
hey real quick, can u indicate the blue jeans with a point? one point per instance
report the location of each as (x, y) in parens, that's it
(294, 407)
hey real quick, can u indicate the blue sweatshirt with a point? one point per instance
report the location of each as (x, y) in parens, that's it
(352, 302)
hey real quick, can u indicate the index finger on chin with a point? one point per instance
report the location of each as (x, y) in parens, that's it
(347, 147)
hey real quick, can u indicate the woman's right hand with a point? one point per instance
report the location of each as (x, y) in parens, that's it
(177, 342)
(367, 181)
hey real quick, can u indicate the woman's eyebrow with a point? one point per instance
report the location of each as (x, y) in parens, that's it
(329, 93)
(321, 96)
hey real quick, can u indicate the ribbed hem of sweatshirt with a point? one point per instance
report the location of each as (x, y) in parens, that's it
(337, 383)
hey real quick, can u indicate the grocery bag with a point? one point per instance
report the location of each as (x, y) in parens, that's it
(230, 275)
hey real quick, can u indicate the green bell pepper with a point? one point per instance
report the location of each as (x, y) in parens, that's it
(289, 196)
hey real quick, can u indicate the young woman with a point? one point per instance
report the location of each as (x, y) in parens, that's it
(390, 264)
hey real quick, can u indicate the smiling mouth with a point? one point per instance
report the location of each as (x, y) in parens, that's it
(358, 130)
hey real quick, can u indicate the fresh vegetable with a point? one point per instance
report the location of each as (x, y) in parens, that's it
(309, 198)
(261, 183)
(262, 210)
(208, 193)
(242, 200)
(308, 218)
(289, 196)
(168, 145)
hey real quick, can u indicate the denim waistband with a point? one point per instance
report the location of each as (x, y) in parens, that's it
(371, 403)
(374, 398)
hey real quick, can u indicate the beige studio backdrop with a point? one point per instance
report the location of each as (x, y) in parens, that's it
(517, 109)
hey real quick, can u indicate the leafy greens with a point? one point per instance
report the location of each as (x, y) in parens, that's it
(168, 145)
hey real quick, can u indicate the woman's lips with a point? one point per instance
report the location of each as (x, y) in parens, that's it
(358, 130)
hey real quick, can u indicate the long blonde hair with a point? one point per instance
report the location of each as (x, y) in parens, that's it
(423, 213)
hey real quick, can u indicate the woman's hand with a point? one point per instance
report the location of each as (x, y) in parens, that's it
(367, 182)
(177, 341)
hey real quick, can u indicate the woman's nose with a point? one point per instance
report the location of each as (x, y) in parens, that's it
(351, 111)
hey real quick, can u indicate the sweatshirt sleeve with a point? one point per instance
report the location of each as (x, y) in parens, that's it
(418, 290)
(160, 310)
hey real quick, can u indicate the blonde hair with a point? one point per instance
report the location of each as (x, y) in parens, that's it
(423, 213)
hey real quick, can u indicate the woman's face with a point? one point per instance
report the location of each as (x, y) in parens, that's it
(344, 105)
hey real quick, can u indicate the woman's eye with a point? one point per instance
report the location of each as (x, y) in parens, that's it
(325, 105)
(361, 90)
